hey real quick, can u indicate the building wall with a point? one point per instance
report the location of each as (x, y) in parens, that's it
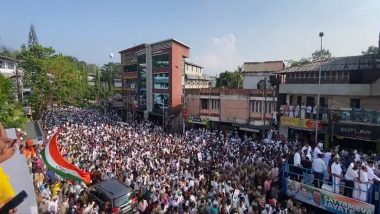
(339, 102)
(234, 108)
(179, 52)
(250, 80)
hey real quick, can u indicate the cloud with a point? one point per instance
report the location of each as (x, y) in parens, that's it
(219, 54)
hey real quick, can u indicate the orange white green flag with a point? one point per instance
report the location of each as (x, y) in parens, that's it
(54, 161)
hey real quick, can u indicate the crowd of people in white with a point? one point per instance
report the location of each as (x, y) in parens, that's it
(200, 171)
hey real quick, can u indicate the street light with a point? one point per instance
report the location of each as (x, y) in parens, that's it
(319, 90)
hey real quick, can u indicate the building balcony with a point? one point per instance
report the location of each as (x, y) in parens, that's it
(331, 89)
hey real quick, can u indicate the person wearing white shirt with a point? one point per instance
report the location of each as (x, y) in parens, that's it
(350, 177)
(364, 182)
(308, 149)
(315, 112)
(308, 111)
(303, 109)
(296, 165)
(371, 177)
(319, 167)
(317, 151)
(336, 172)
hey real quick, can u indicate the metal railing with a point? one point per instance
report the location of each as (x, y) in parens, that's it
(308, 177)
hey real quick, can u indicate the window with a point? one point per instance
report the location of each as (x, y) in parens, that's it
(10, 65)
(130, 68)
(160, 101)
(204, 103)
(215, 104)
(355, 103)
(2, 64)
(256, 106)
(160, 61)
(161, 81)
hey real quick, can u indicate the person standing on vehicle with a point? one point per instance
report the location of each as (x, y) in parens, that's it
(336, 173)
(319, 168)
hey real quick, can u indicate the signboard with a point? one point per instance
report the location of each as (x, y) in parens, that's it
(357, 131)
(197, 120)
(300, 123)
(326, 200)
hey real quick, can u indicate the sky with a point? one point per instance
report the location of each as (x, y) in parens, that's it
(222, 34)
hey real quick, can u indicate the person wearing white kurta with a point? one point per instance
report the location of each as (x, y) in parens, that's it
(364, 182)
(336, 172)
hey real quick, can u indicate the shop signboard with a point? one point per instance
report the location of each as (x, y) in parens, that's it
(197, 120)
(327, 200)
(300, 123)
(370, 132)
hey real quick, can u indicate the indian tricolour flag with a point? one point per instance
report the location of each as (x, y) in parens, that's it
(54, 161)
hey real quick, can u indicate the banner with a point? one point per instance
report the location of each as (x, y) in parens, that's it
(300, 123)
(326, 200)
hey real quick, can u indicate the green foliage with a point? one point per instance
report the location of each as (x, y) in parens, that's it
(109, 72)
(33, 40)
(9, 53)
(230, 79)
(54, 79)
(11, 113)
(372, 50)
(317, 55)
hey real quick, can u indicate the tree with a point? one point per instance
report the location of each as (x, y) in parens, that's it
(33, 40)
(53, 79)
(318, 55)
(11, 113)
(109, 72)
(371, 50)
(321, 55)
(9, 53)
(228, 79)
(239, 73)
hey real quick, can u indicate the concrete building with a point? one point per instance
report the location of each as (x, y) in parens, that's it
(152, 79)
(247, 109)
(194, 76)
(349, 101)
(9, 69)
(254, 72)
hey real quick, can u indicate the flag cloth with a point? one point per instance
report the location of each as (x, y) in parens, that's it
(54, 161)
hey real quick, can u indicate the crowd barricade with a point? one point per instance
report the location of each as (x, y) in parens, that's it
(299, 182)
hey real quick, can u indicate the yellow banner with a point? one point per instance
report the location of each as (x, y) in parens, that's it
(299, 123)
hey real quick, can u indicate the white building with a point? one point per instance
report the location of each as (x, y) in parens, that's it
(9, 69)
(194, 77)
(254, 72)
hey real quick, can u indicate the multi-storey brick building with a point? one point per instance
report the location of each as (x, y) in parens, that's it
(247, 109)
(152, 78)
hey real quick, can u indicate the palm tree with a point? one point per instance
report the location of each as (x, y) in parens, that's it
(239, 72)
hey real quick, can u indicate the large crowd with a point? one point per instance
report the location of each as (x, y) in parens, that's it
(200, 171)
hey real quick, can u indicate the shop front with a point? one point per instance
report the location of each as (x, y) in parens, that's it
(357, 136)
(302, 129)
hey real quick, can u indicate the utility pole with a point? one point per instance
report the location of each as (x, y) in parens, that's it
(319, 91)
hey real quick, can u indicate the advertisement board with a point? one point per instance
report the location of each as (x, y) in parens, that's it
(300, 123)
(326, 200)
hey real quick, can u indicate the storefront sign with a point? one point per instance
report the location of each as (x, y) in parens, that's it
(357, 131)
(326, 200)
(197, 120)
(300, 123)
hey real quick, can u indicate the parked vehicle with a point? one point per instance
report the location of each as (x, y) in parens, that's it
(121, 198)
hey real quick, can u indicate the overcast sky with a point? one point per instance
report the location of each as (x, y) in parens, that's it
(221, 34)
